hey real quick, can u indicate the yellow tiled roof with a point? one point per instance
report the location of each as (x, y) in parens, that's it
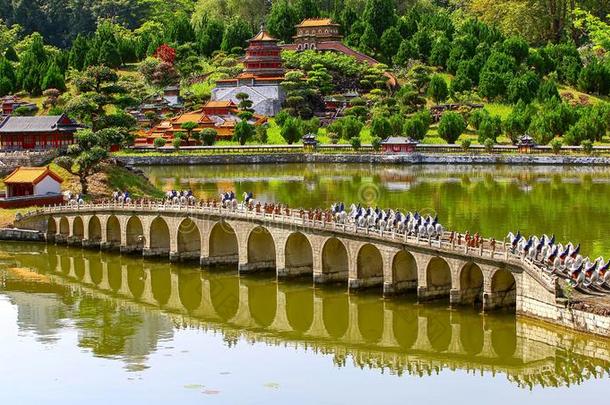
(263, 36)
(316, 22)
(30, 175)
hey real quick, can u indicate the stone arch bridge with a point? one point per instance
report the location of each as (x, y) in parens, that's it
(294, 245)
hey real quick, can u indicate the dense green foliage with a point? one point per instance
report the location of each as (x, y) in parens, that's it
(520, 53)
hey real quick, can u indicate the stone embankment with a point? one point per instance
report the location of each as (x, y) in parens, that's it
(9, 161)
(24, 235)
(413, 158)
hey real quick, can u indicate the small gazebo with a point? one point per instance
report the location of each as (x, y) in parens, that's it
(398, 144)
(310, 143)
(526, 144)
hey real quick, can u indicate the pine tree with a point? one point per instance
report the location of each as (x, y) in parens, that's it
(53, 79)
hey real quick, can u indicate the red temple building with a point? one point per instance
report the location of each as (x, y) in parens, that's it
(9, 104)
(44, 132)
(30, 186)
(398, 144)
(261, 78)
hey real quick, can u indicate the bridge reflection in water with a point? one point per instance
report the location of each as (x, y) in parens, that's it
(394, 335)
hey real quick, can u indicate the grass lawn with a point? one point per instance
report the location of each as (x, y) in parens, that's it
(501, 110)
(7, 216)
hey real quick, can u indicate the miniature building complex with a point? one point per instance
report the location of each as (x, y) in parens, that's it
(398, 144)
(221, 116)
(261, 78)
(29, 186)
(41, 132)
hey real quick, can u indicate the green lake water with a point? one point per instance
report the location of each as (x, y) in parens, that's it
(80, 326)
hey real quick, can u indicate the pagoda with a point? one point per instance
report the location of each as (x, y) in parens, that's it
(263, 59)
(261, 78)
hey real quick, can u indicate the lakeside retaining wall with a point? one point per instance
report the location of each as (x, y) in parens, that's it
(25, 235)
(412, 158)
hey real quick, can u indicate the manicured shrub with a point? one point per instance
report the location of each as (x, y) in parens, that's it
(159, 142)
(451, 126)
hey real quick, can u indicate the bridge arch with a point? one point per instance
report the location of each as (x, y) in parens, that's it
(369, 264)
(503, 290)
(405, 326)
(370, 320)
(224, 294)
(113, 231)
(161, 284)
(472, 335)
(136, 280)
(438, 278)
(298, 254)
(190, 289)
(262, 301)
(335, 262)
(95, 229)
(96, 271)
(404, 271)
(438, 329)
(78, 228)
(64, 226)
(223, 247)
(159, 236)
(335, 315)
(115, 274)
(51, 226)
(79, 267)
(189, 239)
(134, 230)
(261, 249)
(299, 309)
(471, 284)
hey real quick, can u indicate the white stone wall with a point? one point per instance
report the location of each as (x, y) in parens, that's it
(266, 100)
(46, 186)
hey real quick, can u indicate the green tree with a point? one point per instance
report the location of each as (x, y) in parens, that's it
(451, 126)
(381, 127)
(417, 126)
(292, 130)
(53, 79)
(489, 129)
(282, 20)
(440, 51)
(495, 75)
(406, 51)
(390, 43)
(237, 33)
(380, 15)
(189, 126)
(350, 127)
(516, 47)
(89, 150)
(159, 142)
(523, 87)
(243, 132)
(208, 136)
(437, 89)
(548, 91)
(306, 9)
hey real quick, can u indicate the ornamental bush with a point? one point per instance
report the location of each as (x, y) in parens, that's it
(451, 126)
(490, 129)
(159, 142)
(437, 89)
